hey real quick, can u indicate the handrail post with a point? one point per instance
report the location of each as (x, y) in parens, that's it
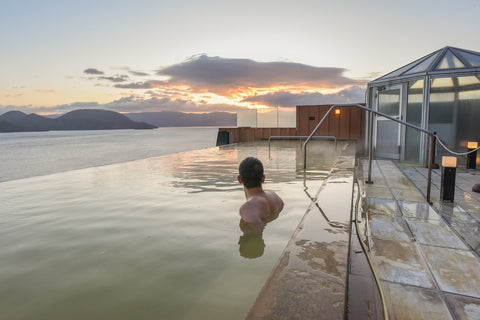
(269, 139)
(370, 150)
(431, 160)
(311, 135)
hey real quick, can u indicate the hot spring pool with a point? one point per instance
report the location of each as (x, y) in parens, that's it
(156, 238)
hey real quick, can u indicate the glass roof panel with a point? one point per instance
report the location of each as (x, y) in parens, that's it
(423, 66)
(416, 65)
(473, 59)
(449, 61)
(442, 82)
(466, 81)
(416, 84)
(397, 72)
(441, 60)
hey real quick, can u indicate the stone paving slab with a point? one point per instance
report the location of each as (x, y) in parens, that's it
(456, 271)
(411, 303)
(401, 262)
(464, 307)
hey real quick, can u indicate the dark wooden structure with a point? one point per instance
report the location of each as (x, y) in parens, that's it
(349, 124)
(247, 134)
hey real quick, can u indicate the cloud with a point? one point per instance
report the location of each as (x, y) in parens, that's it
(139, 73)
(225, 76)
(156, 104)
(93, 71)
(142, 85)
(203, 83)
(118, 78)
(241, 78)
(45, 90)
(353, 94)
(16, 95)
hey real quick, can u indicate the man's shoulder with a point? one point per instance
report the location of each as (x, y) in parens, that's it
(273, 196)
(250, 211)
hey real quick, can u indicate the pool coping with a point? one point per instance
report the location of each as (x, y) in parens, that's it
(309, 280)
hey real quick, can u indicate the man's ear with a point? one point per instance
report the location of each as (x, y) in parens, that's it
(239, 179)
(263, 178)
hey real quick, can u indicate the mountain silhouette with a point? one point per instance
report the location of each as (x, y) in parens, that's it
(181, 119)
(83, 119)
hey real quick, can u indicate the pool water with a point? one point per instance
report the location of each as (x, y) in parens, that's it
(156, 238)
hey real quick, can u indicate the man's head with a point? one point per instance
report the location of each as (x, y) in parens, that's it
(251, 172)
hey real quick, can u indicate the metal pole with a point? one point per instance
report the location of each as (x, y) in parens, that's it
(311, 135)
(431, 160)
(370, 151)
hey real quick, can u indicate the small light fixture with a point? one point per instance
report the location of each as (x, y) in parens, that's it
(472, 156)
(337, 112)
(472, 145)
(449, 162)
(447, 186)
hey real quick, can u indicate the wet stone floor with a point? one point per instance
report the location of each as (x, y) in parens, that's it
(426, 256)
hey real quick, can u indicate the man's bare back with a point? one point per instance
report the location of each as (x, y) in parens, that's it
(260, 205)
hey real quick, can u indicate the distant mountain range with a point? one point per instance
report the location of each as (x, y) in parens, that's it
(92, 119)
(180, 119)
(95, 119)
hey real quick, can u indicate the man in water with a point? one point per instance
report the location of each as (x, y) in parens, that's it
(261, 206)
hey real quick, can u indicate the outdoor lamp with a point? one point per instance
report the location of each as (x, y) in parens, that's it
(472, 156)
(447, 187)
(337, 112)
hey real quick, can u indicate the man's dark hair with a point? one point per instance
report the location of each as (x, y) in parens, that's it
(251, 172)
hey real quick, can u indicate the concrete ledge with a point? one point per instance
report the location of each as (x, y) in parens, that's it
(309, 280)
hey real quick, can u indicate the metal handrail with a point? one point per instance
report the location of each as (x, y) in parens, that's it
(299, 138)
(370, 146)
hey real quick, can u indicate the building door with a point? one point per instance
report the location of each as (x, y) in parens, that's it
(387, 135)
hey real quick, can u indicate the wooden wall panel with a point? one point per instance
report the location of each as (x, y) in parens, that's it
(348, 125)
(247, 134)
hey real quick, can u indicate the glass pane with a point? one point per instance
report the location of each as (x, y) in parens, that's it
(454, 114)
(424, 66)
(416, 66)
(247, 118)
(473, 59)
(389, 102)
(414, 116)
(442, 83)
(397, 72)
(468, 81)
(387, 137)
(449, 61)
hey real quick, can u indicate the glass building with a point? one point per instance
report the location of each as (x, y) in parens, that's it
(439, 92)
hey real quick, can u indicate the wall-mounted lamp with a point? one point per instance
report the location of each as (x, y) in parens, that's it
(337, 111)
(472, 156)
(447, 187)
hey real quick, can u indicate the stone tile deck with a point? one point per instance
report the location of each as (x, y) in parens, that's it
(426, 256)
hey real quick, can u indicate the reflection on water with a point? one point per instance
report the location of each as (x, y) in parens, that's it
(147, 239)
(251, 242)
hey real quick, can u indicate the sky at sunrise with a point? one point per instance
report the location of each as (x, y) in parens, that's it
(202, 56)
